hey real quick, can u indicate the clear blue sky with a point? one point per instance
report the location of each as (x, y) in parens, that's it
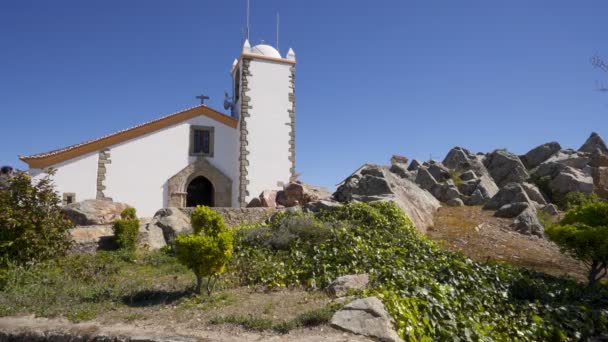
(374, 78)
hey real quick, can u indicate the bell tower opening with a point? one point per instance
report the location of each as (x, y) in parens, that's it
(200, 192)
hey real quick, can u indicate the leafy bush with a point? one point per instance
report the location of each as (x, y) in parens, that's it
(577, 198)
(208, 250)
(584, 233)
(32, 226)
(126, 230)
(432, 294)
(284, 233)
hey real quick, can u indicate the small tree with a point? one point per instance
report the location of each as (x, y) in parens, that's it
(126, 230)
(584, 233)
(32, 226)
(207, 251)
(576, 199)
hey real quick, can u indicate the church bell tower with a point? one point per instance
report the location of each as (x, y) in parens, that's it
(264, 102)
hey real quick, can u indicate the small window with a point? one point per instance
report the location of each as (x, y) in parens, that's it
(201, 141)
(237, 85)
(69, 198)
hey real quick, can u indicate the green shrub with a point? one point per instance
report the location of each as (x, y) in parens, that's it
(208, 250)
(126, 230)
(128, 214)
(206, 221)
(584, 234)
(432, 294)
(577, 198)
(32, 226)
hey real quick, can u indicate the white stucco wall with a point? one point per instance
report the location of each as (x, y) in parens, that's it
(78, 175)
(268, 126)
(140, 167)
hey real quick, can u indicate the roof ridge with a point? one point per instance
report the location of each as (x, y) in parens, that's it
(117, 133)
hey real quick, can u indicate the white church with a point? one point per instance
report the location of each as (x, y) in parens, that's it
(197, 156)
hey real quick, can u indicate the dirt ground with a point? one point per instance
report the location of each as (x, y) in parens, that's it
(479, 235)
(16, 328)
(163, 318)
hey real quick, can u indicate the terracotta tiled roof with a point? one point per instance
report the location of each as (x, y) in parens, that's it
(49, 158)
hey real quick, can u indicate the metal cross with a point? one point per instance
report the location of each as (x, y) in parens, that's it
(202, 98)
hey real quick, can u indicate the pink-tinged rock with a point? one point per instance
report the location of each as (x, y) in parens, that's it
(268, 199)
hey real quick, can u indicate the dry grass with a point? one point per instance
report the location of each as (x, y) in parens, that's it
(481, 236)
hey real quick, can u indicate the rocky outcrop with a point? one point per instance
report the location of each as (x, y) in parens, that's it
(344, 285)
(505, 167)
(540, 154)
(594, 142)
(94, 212)
(372, 183)
(172, 222)
(367, 317)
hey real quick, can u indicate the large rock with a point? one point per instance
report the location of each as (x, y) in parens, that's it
(172, 222)
(414, 165)
(90, 239)
(366, 317)
(510, 193)
(372, 183)
(268, 199)
(462, 160)
(570, 179)
(512, 209)
(540, 153)
(505, 167)
(577, 160)
(94, 212)
(298, 193)
(534, 193)
(151, 237)
(527, 223)
(439, 172)
(425, 179)
(446, 191)
(458, 158)
(594, 142)
(341, 286)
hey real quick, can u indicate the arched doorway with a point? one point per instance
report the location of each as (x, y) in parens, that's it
(200, 192)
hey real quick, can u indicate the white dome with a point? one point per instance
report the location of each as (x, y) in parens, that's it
(265, 50)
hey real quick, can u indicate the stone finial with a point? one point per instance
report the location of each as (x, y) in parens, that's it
(291, 55)
(246, 46)
(234, 63)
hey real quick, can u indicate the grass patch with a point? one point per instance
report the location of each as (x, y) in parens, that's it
(81, 287)
(311, 318)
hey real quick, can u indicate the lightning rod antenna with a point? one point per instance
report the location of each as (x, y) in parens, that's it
(278, 31)
(247, 33)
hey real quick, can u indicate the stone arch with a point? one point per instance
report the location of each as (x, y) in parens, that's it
(178, 184)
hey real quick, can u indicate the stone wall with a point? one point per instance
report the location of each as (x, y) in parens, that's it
(238, 216)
